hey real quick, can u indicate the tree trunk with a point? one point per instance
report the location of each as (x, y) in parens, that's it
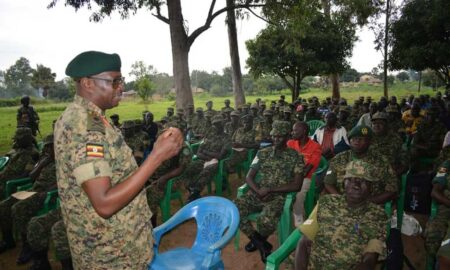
(236, 75)
(420, 81)
(180, 55)
(334, 78)
(386, 43)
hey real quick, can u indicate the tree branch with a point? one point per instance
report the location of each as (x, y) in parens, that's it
(160, 16)
(288, 83)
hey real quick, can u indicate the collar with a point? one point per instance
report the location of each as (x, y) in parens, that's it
(89, 105)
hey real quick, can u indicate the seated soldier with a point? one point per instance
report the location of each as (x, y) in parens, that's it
(22, 158)
(360, 138)
(20, 211)
(242, 141)
(40, 230)
(264, 127)
(133, 140)
(281, 171)
(115, 120)
(215, 147)
(351, 230)
(437, 227)
(233, 125)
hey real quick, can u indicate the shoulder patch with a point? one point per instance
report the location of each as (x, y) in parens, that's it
(94, 123)
(94, 150)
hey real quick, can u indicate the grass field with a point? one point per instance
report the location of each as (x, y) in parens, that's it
(132, 109)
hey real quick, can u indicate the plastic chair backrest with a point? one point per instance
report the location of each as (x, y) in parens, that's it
(217, 221)
(3, 162)
(313, 125)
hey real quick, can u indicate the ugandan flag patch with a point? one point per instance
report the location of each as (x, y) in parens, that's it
(94, 150)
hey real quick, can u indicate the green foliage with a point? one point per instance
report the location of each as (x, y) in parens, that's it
(145, 88)
(62, 90)
(218, 90)
(18, 79)
(350, 75)
(403, 76)
(431, 79)
(421, 38)
(43, 77)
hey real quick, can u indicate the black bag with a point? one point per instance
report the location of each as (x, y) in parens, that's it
(395, 257)
(418, 193)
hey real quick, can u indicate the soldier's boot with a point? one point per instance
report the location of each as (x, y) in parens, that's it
(40, 261)
(265, 248)
(8, 241)
(193, 195)
(67, 264)
(26, 254)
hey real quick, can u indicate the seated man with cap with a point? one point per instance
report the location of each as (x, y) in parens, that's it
(385, 189)
(100, 186)
(115, 120)
(280, 171)
(349, 231)
(227, 105)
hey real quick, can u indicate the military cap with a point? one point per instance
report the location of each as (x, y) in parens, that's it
(442, 173)
(91, 63)
(48, 139)
(170, 109)
(360, 169)
(199, 109)
(392, 109)
(344, 108)
(280, 128)
(268, 112)
(254, 106)
(273, 102)
(114, 116)
(287, 109)
(165, 119)
(361, 131)
(258, 99)
(380, 116)
(235, 113)
(246, 117)
(217, 119)
(128, 124)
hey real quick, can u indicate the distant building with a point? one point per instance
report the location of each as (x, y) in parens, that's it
(369, 79)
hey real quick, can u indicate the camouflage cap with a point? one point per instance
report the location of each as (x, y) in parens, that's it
(128, 124)
(268, 113)
(217, 119)
(235, 113)
(92, 63)
(280, 128)
(208, 102)
(48, 139)
(226, 100)
(380, 116)
(360, 169)
(361, 131)
(199, 109)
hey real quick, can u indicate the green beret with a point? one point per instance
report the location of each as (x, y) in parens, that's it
(91, 63)
(360, 169)
(217, 119)
(280, 128)
(361, 131)
(127, 124)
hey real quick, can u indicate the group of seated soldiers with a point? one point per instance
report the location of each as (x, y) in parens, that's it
(368, 146)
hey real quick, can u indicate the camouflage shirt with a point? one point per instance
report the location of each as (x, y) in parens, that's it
(244, 137)
(277, 169)
(87, 147)
(263, 131)
(21, 160)
(214, 142)
(345, 233)
(389, 145)
(384, 172)
(432, 135)
(229, 128)
(46, 180)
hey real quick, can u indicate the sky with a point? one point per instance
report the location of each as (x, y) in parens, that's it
(53, 37)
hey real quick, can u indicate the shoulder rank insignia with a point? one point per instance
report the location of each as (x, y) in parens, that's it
(94, 150)
(94, 123)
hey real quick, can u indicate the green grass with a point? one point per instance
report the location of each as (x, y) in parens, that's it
(133, 109)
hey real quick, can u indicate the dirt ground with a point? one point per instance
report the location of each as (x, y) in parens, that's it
(184, 235)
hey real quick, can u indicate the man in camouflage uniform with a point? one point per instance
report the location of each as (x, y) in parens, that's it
(281, 171)
(115, 120)
(198, 125)
(242, 141)
(388, 143)
(360, 137)
(395, 120)
(214, 148)
(233, 125)
(40, 230)
(133, 140)
(312, 114)
(264, 127)
(151, 128)
(27, 116)
(254, 113)
(19, 212)
(22, 158)
(227, 105)
(179, 118)
(351, 230)
(437, 226)
(169, 114)
(101, 188)
(209, 108)
(343, 118)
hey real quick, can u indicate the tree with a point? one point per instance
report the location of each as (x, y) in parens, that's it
(179, 32)
(62, 90)
(402, 76)
(350, 75)
(143, 84)
(320, 47)
(43, 78)
(18, 78)
(421, 38)
(145, 88)
(431, 79)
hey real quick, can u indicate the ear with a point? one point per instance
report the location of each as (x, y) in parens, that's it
(86, 84)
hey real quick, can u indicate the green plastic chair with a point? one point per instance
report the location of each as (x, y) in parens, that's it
(51, 202)
(169, 195)
(12, 185)
(244, 166)
(284, 225)
(220, 176)
(312, 194)
(314, 125)
(194, 146)
(278, 256)
(3, 162)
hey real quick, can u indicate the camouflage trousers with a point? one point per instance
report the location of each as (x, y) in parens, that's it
(436, 230)
(39, 229)
(196, 177)
(235, 158)
(270, 213)
(59, 237)
(20, 212)
(154, 197)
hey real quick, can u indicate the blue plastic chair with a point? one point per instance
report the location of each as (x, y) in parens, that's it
(217, 221)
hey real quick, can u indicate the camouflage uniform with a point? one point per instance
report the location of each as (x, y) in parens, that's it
(87, 147)
(436, 227)
(432, 134)
(28, 117)
(244, 137)
(39, 229)
(384, 171)
(263, 129)
(345, 234)
(389, 145)
(60, 240)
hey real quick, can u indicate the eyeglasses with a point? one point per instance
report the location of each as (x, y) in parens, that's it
(115, 82)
